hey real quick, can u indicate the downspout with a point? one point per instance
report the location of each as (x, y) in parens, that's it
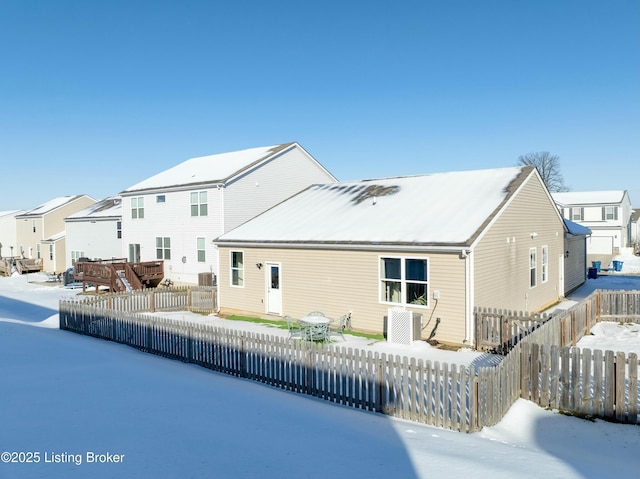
(468, 293)
(220, 189)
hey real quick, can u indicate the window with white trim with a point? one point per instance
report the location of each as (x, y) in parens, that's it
(577, 214)
(545, 264)
(119, 229)
(199, 205)
(533, 272)
(38, 250)
(75, 255)
(404, 281)
(237, 268)
(163, 247)
(50, 252)
(137, 207)
(200, 252)
(609, 213)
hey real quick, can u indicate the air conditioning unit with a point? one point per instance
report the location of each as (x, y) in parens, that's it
(403, 327)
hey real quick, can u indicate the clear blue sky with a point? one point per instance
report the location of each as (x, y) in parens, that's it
(96, 96)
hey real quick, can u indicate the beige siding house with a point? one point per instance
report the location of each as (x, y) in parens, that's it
(437, 245)
(40, 232)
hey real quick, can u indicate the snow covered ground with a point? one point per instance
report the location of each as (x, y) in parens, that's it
(70, 402)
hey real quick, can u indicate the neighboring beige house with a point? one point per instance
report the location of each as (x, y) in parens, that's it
(437, 245)
(174, 216)
(606, 213)
(40, 232)
(8, 243)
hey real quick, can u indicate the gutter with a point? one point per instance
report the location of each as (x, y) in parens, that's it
(345, 246)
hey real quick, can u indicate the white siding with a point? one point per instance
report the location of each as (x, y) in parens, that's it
(8, 234)
(268, 185)
(97, 238)
(173, 219)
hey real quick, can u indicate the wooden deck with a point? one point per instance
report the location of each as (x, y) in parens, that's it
(118, 274)
(23, 265)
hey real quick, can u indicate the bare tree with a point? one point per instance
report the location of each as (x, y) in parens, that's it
(549, 168)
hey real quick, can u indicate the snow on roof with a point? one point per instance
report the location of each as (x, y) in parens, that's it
(50, 205)
(589, 197)
(55, 237)
(10, 213)
(208, 169)
(575, 228)
(111, 206)
(441, 208)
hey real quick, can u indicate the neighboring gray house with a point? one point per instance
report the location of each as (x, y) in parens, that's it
(412, 243)
(174, 215)
(606, 213)
(95, 232)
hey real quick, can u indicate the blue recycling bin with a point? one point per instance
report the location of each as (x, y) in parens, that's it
(596, 265)
(617, 265)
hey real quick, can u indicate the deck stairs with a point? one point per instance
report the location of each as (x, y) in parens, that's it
(123, 278)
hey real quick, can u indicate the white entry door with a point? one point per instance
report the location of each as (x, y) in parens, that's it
(274, 292)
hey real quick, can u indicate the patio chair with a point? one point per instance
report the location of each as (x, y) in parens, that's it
(295, 330)
(316, 313)
(343, 323)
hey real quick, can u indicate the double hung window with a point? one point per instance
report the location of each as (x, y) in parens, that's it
(237, 268)
(163, 248)
(200, 250)
(199, 205)
(404, 281)
(609, 213)
(533, 269)
(545, 264)
(137, 207)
